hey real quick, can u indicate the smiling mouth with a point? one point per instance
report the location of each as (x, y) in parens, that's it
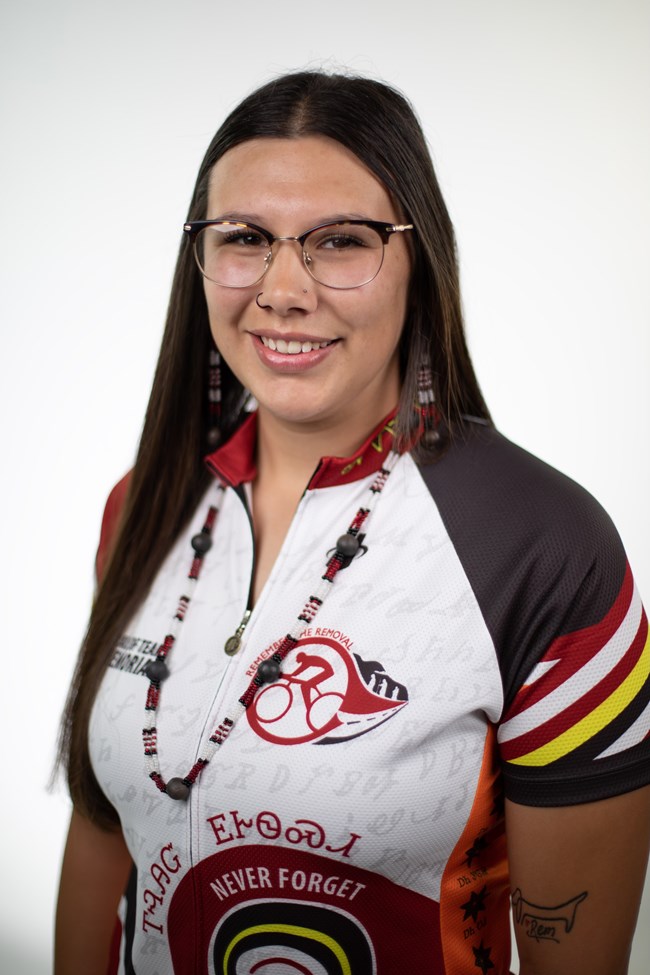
(292, 347)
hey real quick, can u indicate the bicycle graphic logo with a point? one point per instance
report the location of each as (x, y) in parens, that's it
(325, 695)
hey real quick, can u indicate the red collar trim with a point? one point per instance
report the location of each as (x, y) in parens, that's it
(235, 464)
(367, 460)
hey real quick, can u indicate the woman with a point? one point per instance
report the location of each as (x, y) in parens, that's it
(372, 639)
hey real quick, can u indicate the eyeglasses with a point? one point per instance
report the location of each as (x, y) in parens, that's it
(340, 255)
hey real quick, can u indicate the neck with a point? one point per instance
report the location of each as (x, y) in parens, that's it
(296, 449)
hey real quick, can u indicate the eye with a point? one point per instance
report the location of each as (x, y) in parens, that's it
(343, 238)
(337, 240)
(245, 238)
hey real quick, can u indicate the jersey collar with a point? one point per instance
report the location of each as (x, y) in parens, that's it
(235, 464)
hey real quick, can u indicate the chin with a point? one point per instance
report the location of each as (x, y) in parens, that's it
(298, 414)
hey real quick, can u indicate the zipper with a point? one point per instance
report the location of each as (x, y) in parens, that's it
(233, 643)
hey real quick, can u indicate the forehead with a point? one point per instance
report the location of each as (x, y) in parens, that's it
(310, 178)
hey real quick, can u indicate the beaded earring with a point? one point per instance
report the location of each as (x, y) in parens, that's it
(426, 407)
(214, 399)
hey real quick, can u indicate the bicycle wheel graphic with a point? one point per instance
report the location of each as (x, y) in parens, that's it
(283, 714)
(323, 710)
(272, 703)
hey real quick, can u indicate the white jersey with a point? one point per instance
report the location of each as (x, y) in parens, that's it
(484, 636)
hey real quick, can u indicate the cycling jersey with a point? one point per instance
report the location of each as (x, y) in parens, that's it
(486, 639)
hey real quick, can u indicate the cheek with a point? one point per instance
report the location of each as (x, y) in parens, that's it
(394, 280)
(225, 306)
(390, 308)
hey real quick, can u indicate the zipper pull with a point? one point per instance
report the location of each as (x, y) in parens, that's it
(233, 643)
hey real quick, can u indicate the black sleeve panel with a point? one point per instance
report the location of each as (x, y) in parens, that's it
(531, 542)
(545, 563)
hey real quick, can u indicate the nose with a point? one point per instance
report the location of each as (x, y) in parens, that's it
(287, 284)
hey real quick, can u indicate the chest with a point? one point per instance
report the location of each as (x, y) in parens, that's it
(368, 749)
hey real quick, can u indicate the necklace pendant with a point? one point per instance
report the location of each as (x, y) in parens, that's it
(233, 643)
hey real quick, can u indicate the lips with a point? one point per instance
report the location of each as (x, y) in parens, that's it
(292, 354)
(293, 346)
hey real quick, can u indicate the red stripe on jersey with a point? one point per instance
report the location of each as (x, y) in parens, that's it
(573, 650)
(110, 524)
(543, 733)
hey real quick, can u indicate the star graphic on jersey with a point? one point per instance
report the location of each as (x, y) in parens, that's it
(482, 958)
(475, 904)
(480, 844)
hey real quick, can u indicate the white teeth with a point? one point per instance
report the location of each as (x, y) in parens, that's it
(293, 347)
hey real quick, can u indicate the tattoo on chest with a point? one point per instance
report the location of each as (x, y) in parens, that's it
(545, 923)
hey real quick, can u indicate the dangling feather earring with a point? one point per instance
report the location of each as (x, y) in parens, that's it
(214, 400)
(426, 408)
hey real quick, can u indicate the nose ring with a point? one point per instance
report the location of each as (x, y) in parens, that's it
(257, 298)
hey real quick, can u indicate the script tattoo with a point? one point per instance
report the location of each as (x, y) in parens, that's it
(545, 923)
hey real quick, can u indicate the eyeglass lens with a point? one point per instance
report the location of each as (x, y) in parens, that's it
(339, 255)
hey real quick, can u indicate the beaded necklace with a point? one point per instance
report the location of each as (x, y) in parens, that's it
(268, 671)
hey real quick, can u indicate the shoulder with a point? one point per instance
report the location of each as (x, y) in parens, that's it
(548, 570)
(541, 554)
(485, 476)
(110, 523)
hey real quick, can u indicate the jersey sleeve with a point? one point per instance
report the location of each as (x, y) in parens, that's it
(110, 523)
(577, 728)
(550, 574)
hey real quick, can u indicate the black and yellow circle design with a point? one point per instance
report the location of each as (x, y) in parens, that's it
(290, 938)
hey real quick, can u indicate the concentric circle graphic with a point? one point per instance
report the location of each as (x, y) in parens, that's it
(290, 938)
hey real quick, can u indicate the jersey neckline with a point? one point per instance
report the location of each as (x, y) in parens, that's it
(234, 462)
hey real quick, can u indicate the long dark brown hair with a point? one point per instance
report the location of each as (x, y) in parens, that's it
(379, 126)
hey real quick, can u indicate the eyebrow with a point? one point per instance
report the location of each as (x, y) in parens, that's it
(243, 217)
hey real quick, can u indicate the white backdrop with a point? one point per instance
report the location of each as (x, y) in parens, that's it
(537, 114)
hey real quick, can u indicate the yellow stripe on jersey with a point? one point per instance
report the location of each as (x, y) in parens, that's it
(596, 720)
(306, 934)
